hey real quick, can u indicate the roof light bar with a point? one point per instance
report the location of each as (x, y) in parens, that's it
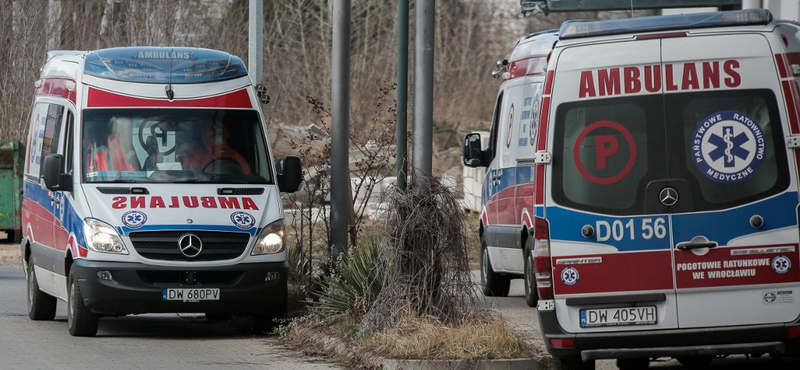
(583, 28)
(174, 65)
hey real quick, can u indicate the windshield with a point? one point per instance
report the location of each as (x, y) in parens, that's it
(174, 145)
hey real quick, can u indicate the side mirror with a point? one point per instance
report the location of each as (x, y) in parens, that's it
(261, 91)
(53, 178)
(473, 155)
(291, 176)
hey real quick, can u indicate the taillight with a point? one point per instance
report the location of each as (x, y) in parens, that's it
(544, 269)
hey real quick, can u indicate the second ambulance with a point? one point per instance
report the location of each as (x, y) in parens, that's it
(642, 176)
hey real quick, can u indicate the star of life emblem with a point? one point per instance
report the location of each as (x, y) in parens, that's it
(728, 147)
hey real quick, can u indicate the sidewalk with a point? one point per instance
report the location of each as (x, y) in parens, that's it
(9, 254)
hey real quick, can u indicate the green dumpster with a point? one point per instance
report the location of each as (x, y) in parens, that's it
(11, 156)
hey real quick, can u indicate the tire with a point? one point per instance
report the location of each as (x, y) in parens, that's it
(695, 362)
(41, 306)
(81, 321)
(494, 284)
(633, 363)
(269, 322)
(531, 294)
(572, 363)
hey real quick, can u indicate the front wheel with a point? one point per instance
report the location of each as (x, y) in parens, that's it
(266, 323)
(81, 321)
(531, 294)
(41, 306)
(494, 284)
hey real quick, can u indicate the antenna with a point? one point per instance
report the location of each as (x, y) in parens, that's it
(632, 9)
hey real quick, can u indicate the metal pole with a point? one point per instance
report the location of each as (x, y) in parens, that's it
(340, 128)
(402, 93)
(422, 153)
(255, 41)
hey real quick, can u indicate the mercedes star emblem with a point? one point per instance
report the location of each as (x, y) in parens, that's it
(190, 245)
(668, 196)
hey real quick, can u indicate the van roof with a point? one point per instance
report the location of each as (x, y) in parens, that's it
(583, 28)
(173, 65)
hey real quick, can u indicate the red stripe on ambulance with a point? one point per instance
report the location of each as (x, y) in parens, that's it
(99, 98)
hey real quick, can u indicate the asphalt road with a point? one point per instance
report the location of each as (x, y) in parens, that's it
(133, 342)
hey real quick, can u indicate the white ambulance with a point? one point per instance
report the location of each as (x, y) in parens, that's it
(651, 185)
(150, 186)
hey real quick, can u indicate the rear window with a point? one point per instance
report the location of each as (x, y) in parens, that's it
(724, 148)
(728, 145)
(606, 151)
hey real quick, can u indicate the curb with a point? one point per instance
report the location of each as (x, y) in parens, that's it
(507, 364)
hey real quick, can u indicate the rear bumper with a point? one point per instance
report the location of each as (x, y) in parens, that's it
(137, 288)
(750, 339)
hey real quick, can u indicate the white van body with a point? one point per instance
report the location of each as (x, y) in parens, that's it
(663, 185)
(121, 215)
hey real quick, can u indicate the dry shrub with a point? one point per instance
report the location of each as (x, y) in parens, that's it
(489, 338)
(425, 247)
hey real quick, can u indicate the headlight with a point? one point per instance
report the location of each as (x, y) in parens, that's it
(271, 240)
(101, 237)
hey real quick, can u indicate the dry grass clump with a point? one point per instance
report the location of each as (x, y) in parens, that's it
(490, 338)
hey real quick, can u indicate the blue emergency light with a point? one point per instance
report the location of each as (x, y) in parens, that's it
(174, 65)
(583, 28)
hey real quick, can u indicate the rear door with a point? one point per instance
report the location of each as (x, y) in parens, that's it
(611, 252)
(734, 218)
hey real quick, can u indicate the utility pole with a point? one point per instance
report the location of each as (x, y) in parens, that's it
(255, 41)
(340, 129)
(402, 94)
(423, 93)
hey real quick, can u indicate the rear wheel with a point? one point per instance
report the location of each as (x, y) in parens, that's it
(531, 295)
(494, 284)
(41, 306)
(81, 321)
(573, 363)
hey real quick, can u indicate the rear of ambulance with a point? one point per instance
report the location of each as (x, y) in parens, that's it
(670, 205)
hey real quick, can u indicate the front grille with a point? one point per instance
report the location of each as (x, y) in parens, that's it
(163, 245)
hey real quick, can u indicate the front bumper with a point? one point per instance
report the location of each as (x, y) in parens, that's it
(247, 288)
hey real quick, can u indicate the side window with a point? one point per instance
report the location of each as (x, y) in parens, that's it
(52, 131)
(495, 128)
(36, 136)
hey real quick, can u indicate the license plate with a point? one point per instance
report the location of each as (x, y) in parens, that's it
(618, 316)
(190, 294)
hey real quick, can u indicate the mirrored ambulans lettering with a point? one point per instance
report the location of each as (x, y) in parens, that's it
(637, 79)
(184, 202)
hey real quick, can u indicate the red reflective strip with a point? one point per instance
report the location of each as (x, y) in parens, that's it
(518, 69)
(783, 69)
(794, 332)
(538, 199)
(791, 97)
(562, 342)
(54, 86)
(548, 83)
(99, 98)
(526, 67)
(792, 58)
(543, 115)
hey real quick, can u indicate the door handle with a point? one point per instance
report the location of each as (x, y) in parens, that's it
(689, 245)
(55, 200)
